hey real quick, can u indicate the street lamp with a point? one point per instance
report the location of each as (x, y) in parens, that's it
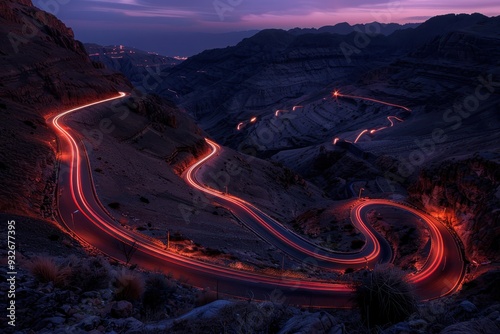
(73, 217)
(360, 190)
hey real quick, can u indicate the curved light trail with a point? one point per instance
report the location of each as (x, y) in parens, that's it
(375, 250)
(277, 112)
(360, 135)
(390, 119)
(241, 125)
(82, 213)
(336, 94)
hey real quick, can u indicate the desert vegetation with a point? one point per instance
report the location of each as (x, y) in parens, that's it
(385, 297)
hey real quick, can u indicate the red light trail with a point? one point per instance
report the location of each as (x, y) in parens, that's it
(241, 125)
(336, 94)
(94, 226)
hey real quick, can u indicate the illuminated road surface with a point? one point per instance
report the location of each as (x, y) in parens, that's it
(83, 214)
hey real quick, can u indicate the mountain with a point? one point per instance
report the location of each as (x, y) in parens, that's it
(345, 28)
(278, 70)
(135, 64)
(272, 94)
(165, 42)
(434, 27)
(260, 74)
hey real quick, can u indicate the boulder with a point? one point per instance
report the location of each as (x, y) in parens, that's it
(122, 309)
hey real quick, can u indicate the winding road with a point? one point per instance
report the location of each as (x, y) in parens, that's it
(82, 213)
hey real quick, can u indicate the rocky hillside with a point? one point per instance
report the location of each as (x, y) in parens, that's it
(42, 69)
(466, 195)
(445, 71)
(272, 70)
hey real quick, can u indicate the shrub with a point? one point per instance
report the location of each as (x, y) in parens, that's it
(158, 291)
(128, 285)
(385, 297)
(91, 274)
(348, 270)
(357, 244)
(114, 205)
(45, 270)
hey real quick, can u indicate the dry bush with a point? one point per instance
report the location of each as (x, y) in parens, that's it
(45, 270)
(385, 297)
(158, 292)
(90, 274)
(128, 285)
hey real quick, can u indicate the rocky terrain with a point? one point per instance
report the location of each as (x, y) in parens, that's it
(444, 72)
(465, 195)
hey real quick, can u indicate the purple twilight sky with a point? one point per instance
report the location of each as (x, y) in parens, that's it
(146, 23)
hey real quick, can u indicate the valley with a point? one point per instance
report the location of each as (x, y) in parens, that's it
(262, 187)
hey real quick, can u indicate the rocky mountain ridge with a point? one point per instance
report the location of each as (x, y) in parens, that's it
(142, 68)
(345, 28)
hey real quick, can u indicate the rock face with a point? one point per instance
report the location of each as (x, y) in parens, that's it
(466, 196)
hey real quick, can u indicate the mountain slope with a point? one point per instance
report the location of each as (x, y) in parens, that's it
(47, 71)
(271, 70)
(42, 70)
